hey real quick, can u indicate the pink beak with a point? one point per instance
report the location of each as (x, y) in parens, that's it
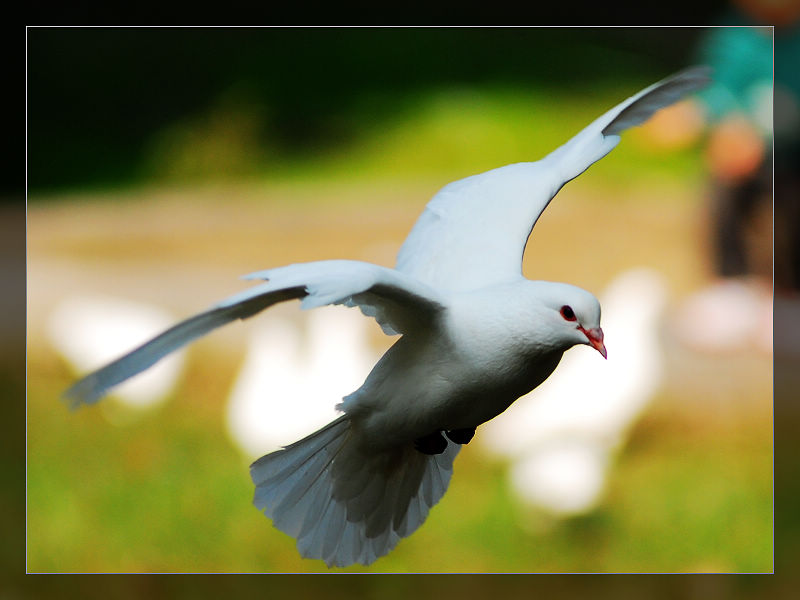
(595, 337)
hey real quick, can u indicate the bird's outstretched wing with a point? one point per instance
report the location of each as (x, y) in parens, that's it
(474, 231)
(399, 303)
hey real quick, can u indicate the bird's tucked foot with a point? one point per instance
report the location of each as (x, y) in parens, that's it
(433, 443)
(461, 436)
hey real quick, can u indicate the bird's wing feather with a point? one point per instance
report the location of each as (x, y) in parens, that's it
(474, 231)
(396, 301)
(602, 135)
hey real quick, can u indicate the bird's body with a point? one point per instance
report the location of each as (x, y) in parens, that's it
(476, 335)
(487, 348)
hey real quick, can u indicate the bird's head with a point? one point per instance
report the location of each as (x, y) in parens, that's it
(573, 315)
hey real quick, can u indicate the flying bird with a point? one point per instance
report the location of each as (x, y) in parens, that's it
(475, 335)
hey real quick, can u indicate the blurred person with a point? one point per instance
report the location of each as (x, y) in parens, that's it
(736, 111)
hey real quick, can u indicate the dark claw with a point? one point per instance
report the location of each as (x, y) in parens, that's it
(461, 436)
(433, 443)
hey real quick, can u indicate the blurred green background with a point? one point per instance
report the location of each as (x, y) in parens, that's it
(123, 106)
(164, 163)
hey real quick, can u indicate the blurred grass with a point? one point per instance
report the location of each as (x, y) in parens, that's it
(169, 493)
(691, 491)
(442, 134)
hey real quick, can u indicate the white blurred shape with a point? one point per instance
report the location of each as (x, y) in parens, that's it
(732, 314)
(90, 330)
(560, 435)
(290, 382)
(567, 474)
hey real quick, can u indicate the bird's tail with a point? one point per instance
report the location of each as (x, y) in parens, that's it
(346, 504)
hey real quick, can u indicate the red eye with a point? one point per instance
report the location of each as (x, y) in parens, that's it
(568, 313)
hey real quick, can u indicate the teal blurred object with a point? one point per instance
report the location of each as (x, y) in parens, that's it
(741, 58)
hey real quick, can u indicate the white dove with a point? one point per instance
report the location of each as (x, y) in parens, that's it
(476, 335)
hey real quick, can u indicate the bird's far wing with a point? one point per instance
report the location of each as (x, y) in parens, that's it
(398, 303)
(474, 231)
(602, 135)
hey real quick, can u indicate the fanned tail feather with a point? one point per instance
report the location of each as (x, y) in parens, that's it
(345, 505)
